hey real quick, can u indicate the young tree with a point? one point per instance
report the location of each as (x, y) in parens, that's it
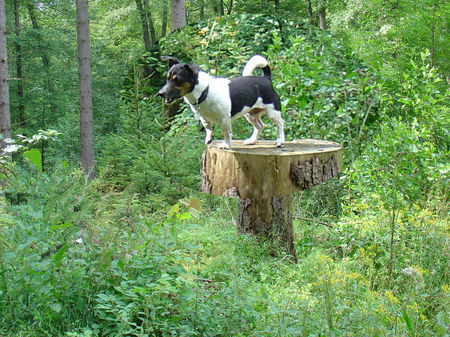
(21, 106)
(178, 14)
(5, 121)
(85, 88)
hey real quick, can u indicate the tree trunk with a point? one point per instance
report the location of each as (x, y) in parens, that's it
(164, 19)
(264, 177)
(230, 7)
(322, 18)
(145, 29)
(20, 94)
(277, 5)
(218, 7)
(270, 218)
(202, 9)
(5, 121)
(151, 26)
(178, 14)
(85, 88)
(310, 12)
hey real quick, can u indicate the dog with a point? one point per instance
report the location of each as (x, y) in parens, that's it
(221, 100)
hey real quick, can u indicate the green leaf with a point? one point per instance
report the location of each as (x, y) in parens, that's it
(34, 155)
(184, 216)
(61, 226)
(56, 307)
(173, 211)
(302, 103)
(57, 258)
(407, 321)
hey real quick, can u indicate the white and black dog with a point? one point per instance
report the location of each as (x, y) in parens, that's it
(220, 100)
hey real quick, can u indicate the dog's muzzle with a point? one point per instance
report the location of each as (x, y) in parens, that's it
(167, 98)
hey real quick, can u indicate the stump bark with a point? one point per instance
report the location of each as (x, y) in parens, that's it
(264, 177)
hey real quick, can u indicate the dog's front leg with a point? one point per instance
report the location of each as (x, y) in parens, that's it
(209, 130)
(226, 129)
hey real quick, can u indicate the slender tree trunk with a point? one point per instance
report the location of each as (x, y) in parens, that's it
(45, 59)
(230, 7)
(85, 88)
(218, 7)
(5, 121)
(20, 94)
(178, 14)
(310, 11)
(145, 29)
(151, 26)
(322, 18)
(202, 9)
(277, 5)
(164, 19)
(433, 29)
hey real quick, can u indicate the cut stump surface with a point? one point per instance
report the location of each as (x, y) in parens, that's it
(264, 177)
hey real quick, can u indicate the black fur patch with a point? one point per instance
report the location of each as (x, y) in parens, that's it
(244, 91)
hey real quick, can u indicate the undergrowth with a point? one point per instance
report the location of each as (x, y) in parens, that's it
(77, 262)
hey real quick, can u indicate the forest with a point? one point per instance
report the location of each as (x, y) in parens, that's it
(103, 228)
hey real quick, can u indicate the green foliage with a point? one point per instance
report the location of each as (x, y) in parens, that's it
(407, 158)
(221, 46)
(138, 252)
(324, 91)
(389, 41)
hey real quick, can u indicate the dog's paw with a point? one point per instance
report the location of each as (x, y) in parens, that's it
(279, 144)
(224, 146)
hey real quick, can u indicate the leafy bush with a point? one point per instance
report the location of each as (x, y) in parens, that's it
(326, 93)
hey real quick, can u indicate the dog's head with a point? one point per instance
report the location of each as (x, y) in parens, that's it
(180, 80)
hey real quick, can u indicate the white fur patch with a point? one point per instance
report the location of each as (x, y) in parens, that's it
(256, 61)
(217, 106)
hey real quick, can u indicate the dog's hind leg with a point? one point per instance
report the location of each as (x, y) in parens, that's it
(255, 119)
(275, 116)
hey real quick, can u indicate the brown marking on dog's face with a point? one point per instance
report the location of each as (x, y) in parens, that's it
(180, 80)
(185, 88)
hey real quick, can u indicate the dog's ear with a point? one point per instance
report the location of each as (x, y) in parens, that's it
(172, 60)
(194, 69)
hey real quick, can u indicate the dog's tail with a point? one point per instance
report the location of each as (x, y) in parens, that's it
(255, 62)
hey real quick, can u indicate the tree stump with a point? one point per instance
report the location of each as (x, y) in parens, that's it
(264, 177)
